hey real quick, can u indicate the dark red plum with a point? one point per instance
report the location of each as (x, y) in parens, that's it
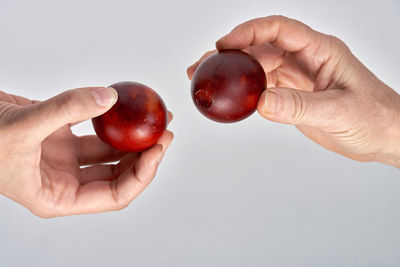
(226, 86)
(136, 121)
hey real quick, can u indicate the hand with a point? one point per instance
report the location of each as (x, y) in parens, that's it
(317, 84)
(41, 161)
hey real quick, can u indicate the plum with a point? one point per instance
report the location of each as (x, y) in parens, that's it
(226, 86)
(136, 121)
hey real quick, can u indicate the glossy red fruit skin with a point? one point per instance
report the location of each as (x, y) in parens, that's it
(226, 86)
(136, 121)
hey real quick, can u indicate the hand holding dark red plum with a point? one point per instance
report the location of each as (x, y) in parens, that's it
(52, 172)
(317, 84)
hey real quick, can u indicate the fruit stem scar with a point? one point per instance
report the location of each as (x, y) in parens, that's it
(204, 99)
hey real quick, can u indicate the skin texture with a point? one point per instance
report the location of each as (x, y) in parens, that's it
(227, 85)
(44, 167)
(317, 84)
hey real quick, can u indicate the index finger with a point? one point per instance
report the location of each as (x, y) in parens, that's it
(287, 34)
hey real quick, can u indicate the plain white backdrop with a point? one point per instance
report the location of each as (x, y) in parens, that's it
(253, 193)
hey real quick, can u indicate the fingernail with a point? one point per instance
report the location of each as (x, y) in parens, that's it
(272, 102)
(105, 96)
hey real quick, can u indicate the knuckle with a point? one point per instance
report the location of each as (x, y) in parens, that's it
(11, 115)
(68, 103)
(123, 206)
(122, 203)
(337, 43)
(299, 107)
(278, 17)
(243, 27)
(42, 213)
(45, 207)
(121, 200)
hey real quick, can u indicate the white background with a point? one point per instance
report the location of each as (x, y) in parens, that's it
(253, 193)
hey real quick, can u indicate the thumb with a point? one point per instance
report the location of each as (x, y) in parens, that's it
(285, 105)
(68, 107)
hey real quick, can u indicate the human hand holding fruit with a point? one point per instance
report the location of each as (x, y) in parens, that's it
(42, 163)
(317, 84)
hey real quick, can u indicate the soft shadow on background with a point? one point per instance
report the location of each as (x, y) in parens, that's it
(254, 193)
